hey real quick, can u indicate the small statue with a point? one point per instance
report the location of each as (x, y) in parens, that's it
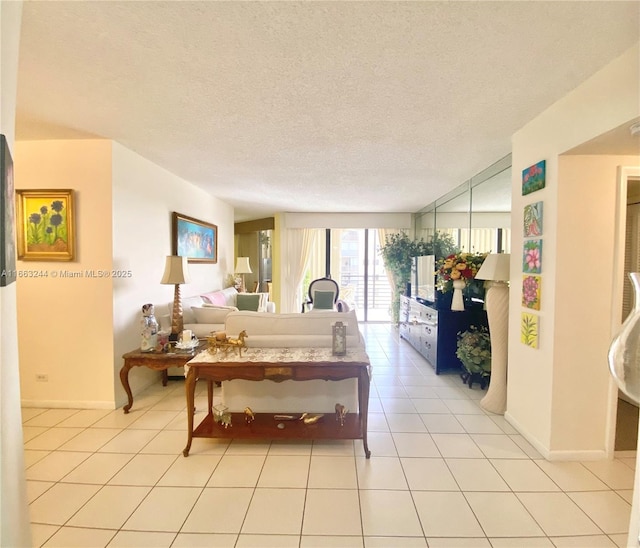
(341, 413)
(220, 341)
(310, 418)
(249, 417)
(150, 329)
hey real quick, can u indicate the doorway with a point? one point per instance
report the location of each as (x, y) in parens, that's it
(358, 267)
(627, 412)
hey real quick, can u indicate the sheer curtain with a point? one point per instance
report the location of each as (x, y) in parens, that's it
(299, 242)
(382, 238)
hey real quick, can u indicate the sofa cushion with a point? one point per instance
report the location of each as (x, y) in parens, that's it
(210, 314)
(293, 330)
(248, 301)
(187, 304)
(229, 308)
(257, 323)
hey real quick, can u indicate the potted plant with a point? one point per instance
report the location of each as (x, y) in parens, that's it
(474, 351)
(397, 253)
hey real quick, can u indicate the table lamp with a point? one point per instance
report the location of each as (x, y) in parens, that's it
(495, 269)
(242, 268)
(176, 273)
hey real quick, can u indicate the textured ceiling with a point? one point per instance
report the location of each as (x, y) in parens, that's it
(310, 106)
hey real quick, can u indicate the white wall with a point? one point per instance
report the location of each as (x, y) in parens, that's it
(123, 206)
(14, 510)
(65, 323)
(557, 394)
(144, 196)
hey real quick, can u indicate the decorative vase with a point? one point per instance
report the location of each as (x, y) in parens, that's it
(457, 301)
(624, 352)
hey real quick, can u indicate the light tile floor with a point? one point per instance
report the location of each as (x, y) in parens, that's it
(443, 473)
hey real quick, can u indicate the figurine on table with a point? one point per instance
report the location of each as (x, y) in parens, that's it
(150, 329)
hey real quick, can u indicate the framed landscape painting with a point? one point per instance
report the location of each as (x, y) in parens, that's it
(194, 239)
(46, 230)
(8, 214)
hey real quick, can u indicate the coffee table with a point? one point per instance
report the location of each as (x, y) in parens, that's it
(158, 361)
(277, 365)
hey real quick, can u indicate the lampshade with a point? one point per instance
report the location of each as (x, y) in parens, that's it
(242, 266)
(175, 271)
(495, 267)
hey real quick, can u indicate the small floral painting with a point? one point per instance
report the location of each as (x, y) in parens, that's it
(45, 226)
(532, 257)
(533, 178)
(531, 291)
(529, 330)
(533, 220)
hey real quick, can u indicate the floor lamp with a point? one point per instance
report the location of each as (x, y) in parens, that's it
(495, 269)
(176, 273)
(243, 267)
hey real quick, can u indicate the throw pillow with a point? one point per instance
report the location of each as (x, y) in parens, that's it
(229, 308)
(248, 301)
(323, 300)
(210, 315)
(215, 297)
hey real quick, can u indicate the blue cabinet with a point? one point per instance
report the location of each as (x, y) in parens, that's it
(434, 332)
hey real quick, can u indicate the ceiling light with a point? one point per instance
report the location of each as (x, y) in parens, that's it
(635, 129)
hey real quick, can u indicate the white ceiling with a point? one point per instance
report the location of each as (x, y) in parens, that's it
(310, 106)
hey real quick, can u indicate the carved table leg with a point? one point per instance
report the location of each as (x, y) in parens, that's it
(190, 387)
(165, 377)
(210, 397)
(124, 379)
(363, 406)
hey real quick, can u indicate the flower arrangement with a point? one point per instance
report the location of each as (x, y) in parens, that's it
(474, 350)
(458, 266)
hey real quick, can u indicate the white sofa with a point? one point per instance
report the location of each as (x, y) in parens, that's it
(205, 313)
(291, 330)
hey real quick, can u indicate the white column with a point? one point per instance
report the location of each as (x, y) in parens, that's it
(497, 301)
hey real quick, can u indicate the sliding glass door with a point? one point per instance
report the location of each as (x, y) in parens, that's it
(356, 264)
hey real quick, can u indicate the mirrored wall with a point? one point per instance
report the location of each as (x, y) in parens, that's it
(476, 214)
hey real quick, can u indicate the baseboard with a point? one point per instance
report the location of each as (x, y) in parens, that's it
(527, 436)
(550, 455)
(59, 404)
(579, 455)
(625, 454)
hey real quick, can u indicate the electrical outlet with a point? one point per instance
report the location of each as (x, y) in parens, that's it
(42, 377)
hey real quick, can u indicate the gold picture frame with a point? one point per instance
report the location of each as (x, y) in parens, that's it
(45, 225)
(194, 239)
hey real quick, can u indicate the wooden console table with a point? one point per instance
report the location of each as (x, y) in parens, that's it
(279, 364)
(158, 361)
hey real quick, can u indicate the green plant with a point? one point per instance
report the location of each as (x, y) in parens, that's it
(443, 245)
(474, 350)
(397, 252)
